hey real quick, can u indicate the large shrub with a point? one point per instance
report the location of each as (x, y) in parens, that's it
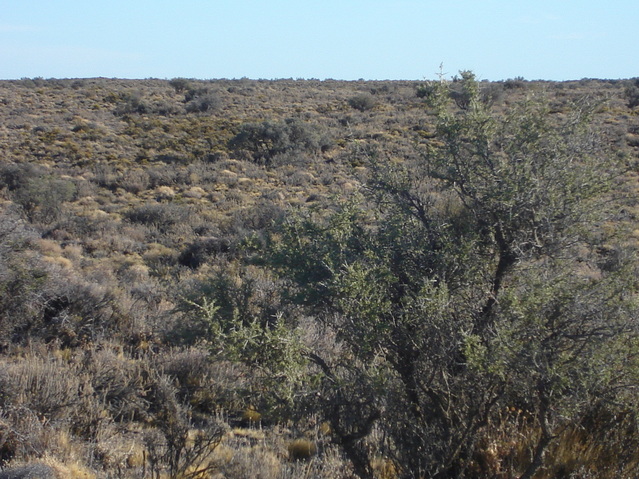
(474, 287)
(268, 139)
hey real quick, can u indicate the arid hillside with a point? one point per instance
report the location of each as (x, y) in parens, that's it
(144, 331)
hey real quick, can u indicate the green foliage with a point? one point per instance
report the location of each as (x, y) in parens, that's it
(631, 93)
(362, 102)
(266, 140)
(201, 100)
(129, 103)
(180, 84)
(515, 83)
(465, 91)
(241, 324)
(476, 276)
(42, 197)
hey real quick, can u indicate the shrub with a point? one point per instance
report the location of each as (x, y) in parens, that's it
(122, 384)
(176, 443)
(515, 83)
(202, 100)
(42, 197)
(198, 252)
(426, 90)
(128, 103)
(362, 102)
(32, 470)
(301, 449)
(162, 216)
(465, 90)
(268, 139)
(631, 93)
(14, 175)
(180, 84)
(464, 288)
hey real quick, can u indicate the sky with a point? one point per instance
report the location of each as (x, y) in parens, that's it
(340, 39)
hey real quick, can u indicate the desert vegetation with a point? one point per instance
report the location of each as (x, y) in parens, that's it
(319, 279)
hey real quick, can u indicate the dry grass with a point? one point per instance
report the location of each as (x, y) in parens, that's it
(150, 202)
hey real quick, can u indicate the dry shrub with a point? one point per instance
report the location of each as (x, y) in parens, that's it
(604, 446)
(196, 380)
(116, 447)
(69, 470)
(76, 310)
(251, 416)
(32, 470)
(506, 446)
(134, 181)
(301, 449)
(329, 465)
(24, 435)
(121, 383)
(257, 462)
(178, 444)
(164, 193)
(195, 192)
(384, 468)
(51, 389)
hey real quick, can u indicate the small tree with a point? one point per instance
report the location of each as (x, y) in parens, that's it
(466, 281)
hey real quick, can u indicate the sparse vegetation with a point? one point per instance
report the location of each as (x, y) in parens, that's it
(320, 279)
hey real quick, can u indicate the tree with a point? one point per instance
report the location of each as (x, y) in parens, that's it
(465, 282)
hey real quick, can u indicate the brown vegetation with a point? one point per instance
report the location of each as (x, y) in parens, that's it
(124, 203)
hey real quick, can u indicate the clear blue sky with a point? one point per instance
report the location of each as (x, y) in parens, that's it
(341, 39)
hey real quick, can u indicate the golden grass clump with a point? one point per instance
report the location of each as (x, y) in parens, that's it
(251, 415)
(301, 449)
(164, 193)
(384, 468)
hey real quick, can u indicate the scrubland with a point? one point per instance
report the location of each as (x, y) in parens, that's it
(144, 331)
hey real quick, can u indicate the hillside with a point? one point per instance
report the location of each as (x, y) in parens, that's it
(124, 203)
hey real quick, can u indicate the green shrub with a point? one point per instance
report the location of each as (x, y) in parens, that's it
(362, 102)
(129, 103)
(42, 198)
(265, 140)
(201, 100)
(162, 216)
(631, 93)
(466, 279)
(515, 83)
(180, 84)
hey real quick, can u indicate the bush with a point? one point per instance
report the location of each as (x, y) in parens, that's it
(515, 83)
(201, 100)
(301, 449)
(426, 90)
(14, 175)
(42, 197)
(466, 287)
(33, 470)
(631, 92)
(180, 84)
(129, 103)
(198, 252)
(162, 216)
(268, 139)
(363, 102)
